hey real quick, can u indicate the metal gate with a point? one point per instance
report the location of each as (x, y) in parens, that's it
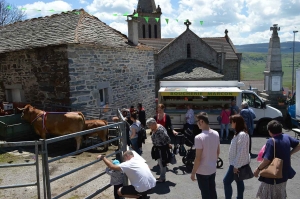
(47, 181)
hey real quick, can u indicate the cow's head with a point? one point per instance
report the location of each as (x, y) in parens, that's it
(27, 110)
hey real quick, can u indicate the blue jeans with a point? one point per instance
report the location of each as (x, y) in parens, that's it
(228, 179)
(226, 126)
(207, 186)
(135, 146)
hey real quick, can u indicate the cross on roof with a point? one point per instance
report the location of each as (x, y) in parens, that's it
(187, 23)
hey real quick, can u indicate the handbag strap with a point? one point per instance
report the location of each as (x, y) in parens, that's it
(274, 145)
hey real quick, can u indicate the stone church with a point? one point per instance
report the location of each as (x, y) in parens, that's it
(74, 59)
(186, 57)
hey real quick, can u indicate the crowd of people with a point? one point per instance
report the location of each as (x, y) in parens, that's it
(207, 146)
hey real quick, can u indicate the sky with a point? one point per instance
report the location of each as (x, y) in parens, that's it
(248, 21)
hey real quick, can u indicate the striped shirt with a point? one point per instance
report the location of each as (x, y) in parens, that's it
(239, 150)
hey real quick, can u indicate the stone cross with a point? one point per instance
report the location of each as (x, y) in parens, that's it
(226, 32)
(187, 23)
(275, 28)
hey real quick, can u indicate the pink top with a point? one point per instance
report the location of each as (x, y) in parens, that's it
(209, 142)
(225, 114)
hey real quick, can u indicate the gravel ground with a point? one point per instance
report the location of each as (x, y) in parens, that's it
(177, 186)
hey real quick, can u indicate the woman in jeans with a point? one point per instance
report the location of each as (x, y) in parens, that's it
(238, 156)
(225, 114)
(133, 133)
(160, 150)
(271, 188)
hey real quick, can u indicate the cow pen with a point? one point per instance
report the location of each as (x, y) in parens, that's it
(47, 180)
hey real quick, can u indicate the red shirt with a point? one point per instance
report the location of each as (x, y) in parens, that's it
(162, 121)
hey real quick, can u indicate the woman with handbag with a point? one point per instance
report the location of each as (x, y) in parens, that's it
(164, 119)
(277, 150)
(238, 156)
(160, 150)
(225, 114)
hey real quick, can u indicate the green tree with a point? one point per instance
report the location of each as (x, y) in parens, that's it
(9, 13)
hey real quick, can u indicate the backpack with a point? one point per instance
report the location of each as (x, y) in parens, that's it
(142, 135)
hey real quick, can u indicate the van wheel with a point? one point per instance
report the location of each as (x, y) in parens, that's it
(288, 121)
(262, 128)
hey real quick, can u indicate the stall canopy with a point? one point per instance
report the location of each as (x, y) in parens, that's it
(199, 91)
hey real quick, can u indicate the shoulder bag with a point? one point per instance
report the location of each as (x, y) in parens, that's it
(245, 172)
(273, 170)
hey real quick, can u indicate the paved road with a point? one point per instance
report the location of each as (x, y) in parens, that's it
(179, 185)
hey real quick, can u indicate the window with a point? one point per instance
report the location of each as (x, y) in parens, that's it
(149, 27)
(144, 31)
(188, 51)
(252, 100)
(155, 31)
(103, 96)
(14, 93)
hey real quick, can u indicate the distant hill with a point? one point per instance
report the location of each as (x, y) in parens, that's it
(286, 47)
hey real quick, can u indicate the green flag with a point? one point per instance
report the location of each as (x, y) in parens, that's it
(147, 19)
(167, 20)
(125, 14)
(136, 15)
(177, 20)
(23, 8)
(201, 22)
(115, 15)
(157, 19)
(51, 10)
(8, 7)
(77, 13)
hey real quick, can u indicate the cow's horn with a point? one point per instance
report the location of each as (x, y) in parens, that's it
(21, 109)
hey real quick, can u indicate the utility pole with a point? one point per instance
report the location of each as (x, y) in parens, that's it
(293, 72)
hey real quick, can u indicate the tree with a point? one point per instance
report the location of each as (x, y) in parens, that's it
(9, 13)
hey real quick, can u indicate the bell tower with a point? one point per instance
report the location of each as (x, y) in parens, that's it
(149, 25)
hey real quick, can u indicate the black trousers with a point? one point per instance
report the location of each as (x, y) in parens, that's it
(116, 187)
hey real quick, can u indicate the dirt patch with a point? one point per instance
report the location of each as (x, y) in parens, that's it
(20, 175)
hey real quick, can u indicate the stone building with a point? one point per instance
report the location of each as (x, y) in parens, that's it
(186, 57)
(73, 58)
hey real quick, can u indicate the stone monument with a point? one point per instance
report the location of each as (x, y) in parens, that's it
(273, 72)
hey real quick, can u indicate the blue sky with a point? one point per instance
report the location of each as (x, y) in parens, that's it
(248, 21)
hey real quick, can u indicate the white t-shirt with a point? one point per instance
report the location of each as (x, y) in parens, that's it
(209, 142)
(139, 174)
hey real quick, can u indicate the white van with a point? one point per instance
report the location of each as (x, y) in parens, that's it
(210, 97)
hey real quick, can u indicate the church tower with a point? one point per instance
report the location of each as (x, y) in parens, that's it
(147, 10)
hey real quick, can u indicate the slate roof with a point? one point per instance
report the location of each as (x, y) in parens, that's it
(191, 70)
(157, 44)
(217, 42)
(72, 27)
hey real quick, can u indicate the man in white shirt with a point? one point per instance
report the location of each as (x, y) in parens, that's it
(207, 147)
(138, 173)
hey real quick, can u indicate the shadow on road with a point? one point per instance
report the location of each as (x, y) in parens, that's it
(162, 188)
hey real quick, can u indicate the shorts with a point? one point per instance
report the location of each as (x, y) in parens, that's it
(130, 190)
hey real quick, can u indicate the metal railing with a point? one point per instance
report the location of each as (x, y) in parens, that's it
(43, 150)
(36, 164)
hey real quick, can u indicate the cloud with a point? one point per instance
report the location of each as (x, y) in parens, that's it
(40, 8)
(83, 1)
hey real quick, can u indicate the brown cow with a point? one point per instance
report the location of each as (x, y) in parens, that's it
(54, 123)
(102, 134)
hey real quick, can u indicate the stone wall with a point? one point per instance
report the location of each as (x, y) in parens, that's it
(230, 70)
(177, 50)
(42, 74)
(127, 74)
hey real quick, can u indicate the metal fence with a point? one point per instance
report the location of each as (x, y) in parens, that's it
(43, 151)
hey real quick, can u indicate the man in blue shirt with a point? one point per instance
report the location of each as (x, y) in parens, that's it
(248, 114)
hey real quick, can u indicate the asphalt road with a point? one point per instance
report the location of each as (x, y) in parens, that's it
(179, 185)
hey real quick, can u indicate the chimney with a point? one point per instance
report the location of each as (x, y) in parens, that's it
(133, 31)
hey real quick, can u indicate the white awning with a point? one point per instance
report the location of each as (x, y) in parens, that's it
(199, 91)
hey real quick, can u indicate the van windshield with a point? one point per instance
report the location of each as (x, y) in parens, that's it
(252, 100)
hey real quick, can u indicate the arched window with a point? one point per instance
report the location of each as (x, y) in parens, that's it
(155, 31)
(144, 31)
(188, 51)
(149, 27)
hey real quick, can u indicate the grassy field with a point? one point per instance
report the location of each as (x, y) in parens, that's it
(253, 66)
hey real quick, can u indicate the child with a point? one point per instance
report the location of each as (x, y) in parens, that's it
(116, 179)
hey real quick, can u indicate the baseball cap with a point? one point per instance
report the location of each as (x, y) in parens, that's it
(116, 162)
